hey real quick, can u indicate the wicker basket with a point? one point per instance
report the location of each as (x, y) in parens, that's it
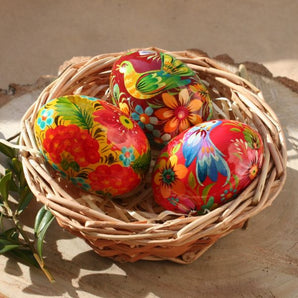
(133, 227)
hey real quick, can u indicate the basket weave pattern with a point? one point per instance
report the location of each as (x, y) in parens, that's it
(133, 227)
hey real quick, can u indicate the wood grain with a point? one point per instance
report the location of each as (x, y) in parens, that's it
(261, 261)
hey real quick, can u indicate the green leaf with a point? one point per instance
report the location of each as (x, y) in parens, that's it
(16, 166)
(24, 255)
(8, 151)
(25, 198)
(42, 211)
(10, 234)
(13, 186)
(42, 222)
(9, 240)
(4, 186)
(6, 246)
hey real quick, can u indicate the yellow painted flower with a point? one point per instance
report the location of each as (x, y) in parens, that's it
(201, 89)
(168, 177)
(124, 107)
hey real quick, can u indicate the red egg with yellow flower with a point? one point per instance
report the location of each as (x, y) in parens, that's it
(207, 166)
(93, 144)
(161, 93)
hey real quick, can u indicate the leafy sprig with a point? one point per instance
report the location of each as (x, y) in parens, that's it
(15, 196)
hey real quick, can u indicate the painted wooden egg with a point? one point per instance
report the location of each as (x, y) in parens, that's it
(160, 92)
(207, 166)
(93, 144)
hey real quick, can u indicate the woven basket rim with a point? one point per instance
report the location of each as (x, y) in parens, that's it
(127, 233)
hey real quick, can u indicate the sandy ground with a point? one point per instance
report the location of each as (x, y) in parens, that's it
(37, 36)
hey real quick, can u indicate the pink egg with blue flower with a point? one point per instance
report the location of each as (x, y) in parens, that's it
(206, 166)
(161, 93)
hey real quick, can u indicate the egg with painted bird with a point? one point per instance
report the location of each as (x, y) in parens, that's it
(206, 166)
(160, 92)
(93, 144)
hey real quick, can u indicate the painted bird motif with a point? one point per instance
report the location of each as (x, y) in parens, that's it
(151, 83)
(210, 160)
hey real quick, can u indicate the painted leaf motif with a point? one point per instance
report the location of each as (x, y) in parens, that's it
(235, 129)
(176, 148)
(78, 113)
(207, 206)
(141, 164)
(206, 191)
(251, 138)
(192, 180)
(236, 180)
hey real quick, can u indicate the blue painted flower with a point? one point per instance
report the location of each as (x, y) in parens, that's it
(45, 118)
(144, 117)
(127, 156)
(209, 160)
(79, 181)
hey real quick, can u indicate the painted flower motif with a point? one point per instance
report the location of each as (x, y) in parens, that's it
(158, 138)
(144, 117)
(201, 89)
(181, 204)
(210, 161)
(45, 118)
(249, 161)
(127, 156)
(80, 182)
(123, 106)
(113, 180)
(120, 127)
(168, 177)
(228, 194)
(252, 138)
(253, 170)
(179, 115)
(71, 146)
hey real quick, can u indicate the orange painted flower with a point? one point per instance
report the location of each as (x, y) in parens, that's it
(168, 177)
(179, 115)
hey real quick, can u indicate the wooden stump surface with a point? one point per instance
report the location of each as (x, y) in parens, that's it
(261, 261)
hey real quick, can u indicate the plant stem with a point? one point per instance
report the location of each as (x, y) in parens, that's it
(35, 254)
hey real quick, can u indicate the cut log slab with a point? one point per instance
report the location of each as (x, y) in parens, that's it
(261, 261)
